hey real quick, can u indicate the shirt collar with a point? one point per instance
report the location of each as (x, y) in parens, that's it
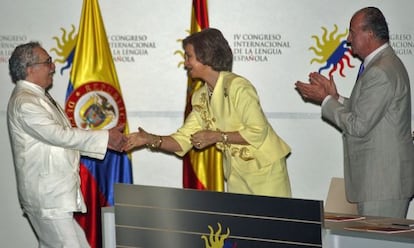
(32, 86)
(375, 52)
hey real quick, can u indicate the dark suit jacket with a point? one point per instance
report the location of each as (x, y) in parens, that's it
(376, 127)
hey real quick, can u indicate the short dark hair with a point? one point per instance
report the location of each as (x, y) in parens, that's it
(20, 59)
(375, 21)
(211, 48)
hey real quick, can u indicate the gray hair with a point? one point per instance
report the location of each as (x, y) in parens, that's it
(375, 21)
(21, 58)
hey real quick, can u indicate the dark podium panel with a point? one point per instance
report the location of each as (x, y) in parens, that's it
(157, 217)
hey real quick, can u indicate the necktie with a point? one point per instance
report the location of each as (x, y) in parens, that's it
(361, 70)
(59, 109)
(51, 99)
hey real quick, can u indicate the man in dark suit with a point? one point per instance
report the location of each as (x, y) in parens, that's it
(375, 120)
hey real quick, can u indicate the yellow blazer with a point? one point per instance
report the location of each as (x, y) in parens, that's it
(235, 106)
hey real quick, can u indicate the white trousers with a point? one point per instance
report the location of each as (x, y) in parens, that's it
(58, 232)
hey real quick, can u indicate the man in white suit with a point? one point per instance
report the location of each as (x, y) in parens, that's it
(375, 120)
(46, 150)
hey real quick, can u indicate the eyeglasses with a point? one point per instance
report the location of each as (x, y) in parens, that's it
(47, 62)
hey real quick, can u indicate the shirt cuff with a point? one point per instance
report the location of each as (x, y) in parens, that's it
(340, 99)
(326, 99)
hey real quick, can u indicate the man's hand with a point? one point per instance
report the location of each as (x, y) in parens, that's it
(318, 88)
(117, 139)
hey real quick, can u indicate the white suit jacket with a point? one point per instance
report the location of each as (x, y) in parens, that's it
(46, 152)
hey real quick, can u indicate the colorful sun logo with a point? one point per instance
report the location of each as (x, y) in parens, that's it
(65, 48)
(181, 53)
(332, 50)
(217, 239)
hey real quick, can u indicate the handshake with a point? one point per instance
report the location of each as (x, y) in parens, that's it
(120, 142)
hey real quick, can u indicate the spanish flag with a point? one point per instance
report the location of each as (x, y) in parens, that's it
(94, 101)
(201, 169)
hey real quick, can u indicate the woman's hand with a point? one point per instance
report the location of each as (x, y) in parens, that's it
(205, 138)
(136, 140)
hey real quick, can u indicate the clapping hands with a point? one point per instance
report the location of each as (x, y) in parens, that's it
(318, 88)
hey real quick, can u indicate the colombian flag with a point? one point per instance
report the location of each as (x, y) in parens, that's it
(94, 101)
(201, 169)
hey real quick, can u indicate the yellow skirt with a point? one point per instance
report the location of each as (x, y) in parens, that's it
(270, 180)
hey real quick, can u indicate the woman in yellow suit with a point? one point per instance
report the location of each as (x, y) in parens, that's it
(226, 112)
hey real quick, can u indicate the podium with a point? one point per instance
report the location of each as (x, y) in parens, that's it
(155, 217)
